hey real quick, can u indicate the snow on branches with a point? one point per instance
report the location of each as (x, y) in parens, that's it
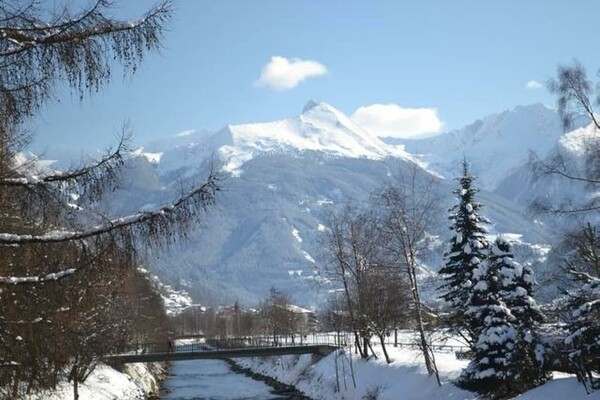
(19, 280)
(507, 353)
(468, 248)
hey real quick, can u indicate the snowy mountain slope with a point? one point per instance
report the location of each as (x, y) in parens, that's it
(187, 138)
(496, 145)
(523, 186)
(267, 228)
(282, 180)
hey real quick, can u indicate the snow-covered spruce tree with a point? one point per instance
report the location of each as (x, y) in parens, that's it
(468, 248)
(516, 291)
(583, 340)
(491, 372)
(508, 357)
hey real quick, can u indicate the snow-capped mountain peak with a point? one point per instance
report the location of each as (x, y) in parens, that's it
(495, 145)
(309, 105)
(327, 118)
(326, 113)
(320, 128)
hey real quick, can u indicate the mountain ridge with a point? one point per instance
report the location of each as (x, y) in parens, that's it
(284, 177)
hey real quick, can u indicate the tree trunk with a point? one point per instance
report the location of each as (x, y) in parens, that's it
(385, 353)
(31, 380)
(337, 374)
(424, 345)
(372, 351)
(74, 373)
(365, 352)
(358, 346)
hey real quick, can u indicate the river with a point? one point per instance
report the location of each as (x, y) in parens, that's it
(212, 380)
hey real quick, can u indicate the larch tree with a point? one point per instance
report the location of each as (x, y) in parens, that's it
(468, 247)
(50, 237)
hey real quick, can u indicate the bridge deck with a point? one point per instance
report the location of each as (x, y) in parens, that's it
(194, 354)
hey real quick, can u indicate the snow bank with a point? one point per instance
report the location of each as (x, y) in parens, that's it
(146, 376)
(405, 378)
(106, 383)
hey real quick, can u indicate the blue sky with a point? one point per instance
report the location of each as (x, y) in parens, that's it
(464, 58)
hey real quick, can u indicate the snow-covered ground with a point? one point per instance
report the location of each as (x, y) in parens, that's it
(106, 383)
(406, 378)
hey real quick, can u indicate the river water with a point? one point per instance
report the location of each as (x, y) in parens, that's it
(212, 380)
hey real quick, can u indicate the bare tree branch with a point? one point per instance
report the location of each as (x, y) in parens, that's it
(20, 280)
(203, 195)
(108, 164)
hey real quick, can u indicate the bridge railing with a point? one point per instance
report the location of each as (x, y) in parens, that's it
(255, 341)
(157, 348)
(331, 339)
(259, 341)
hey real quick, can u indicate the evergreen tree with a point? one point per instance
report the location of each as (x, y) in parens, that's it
(517, 285)
(491, 371)
(516, 291)
(468, 248)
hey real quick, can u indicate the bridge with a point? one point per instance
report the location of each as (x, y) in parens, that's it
(220, 349)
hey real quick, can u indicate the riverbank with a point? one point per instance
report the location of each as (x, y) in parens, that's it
(135, 382)
(279, 388)
(148, 376)
(340, 376)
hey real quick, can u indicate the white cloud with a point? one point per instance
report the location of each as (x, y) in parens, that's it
(282, 73)
(533, 85)
(391, 120)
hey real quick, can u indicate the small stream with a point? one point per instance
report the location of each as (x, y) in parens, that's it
(212, 380)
